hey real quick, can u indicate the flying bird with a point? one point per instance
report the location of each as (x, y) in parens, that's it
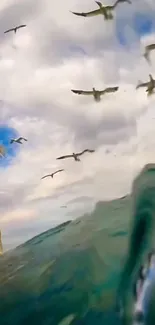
(101, 11)
(76, 155)
(106, 11)
(19, 140)
(148, 49)
(51, 175)
(96, 93)
(150, 85)
(64, 206)
(14, 29)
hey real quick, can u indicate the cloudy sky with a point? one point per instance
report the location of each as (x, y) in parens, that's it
(39, 65)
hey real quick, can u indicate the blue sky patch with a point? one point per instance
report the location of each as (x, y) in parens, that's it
(6, 133)
(141, 23)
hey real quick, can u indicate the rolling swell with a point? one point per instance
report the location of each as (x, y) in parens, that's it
(142, 235)
(71, 277)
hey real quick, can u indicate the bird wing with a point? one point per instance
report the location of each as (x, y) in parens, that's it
(151, 47)
(58, 171)
(87, 14)
(151, 78)
(116, 3)
(9, 30)
(12, 140)
(121, 1)
(82, 92)
(63, 157)
(86, 150)
(21, 26)
(21, 138)
(143, 84)
(148, 47)
(109, 90)
(45, 176)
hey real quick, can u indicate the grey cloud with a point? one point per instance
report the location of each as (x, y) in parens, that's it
(110, 130)
(69, 189)
(60, 42)
(14, 197)
(53, 42)
(85, 130)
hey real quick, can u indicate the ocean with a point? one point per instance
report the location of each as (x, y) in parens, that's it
(75, 274)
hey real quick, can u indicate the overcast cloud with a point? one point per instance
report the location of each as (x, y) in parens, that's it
(39, 66)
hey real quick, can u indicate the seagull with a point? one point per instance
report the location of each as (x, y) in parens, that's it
(101, 11)
(96, 93)
(106, 11)
(76, 155)
(18, 140)
(148, 48)
(14, 29)
(51, 175)
(150, 85)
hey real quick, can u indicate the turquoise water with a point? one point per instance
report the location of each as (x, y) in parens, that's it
(73, 274)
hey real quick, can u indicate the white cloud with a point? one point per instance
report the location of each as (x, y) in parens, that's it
(39, 66)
